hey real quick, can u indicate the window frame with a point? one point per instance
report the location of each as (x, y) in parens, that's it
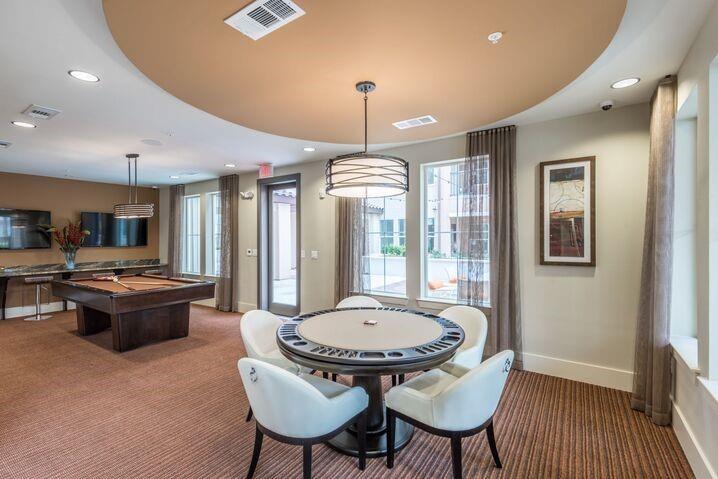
(454, 194)
(397, 238)
(185, 235)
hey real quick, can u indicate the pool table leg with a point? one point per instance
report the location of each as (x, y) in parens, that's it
(133, 329)
(91, 321)
(3, 295)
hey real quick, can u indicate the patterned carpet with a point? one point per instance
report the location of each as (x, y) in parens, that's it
(70, 407)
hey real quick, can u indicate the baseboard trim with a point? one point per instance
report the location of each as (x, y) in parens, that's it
(206, 302)
(578, 371)
(245, 307)
(21, 311)
(693, 451)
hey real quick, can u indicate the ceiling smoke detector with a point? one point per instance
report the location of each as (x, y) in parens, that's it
(414, 122)
(263, 17)
(41, 112)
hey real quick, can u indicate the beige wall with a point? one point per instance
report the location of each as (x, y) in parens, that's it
(578, 322)
(317, 233)
(66, 199)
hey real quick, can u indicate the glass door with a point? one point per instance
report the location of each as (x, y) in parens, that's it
(282, 249)
(279, 233)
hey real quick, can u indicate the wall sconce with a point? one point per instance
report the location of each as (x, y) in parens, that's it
(246, 195)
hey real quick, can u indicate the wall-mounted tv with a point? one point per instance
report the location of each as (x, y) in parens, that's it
(108, 231)
(21, 229)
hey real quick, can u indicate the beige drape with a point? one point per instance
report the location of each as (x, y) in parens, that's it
(174, 248)
(494, 149)
(349, 248)
(228, 282)
(651, 377)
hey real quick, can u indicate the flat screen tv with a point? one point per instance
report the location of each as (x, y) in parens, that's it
(21, 229)
(108, 231)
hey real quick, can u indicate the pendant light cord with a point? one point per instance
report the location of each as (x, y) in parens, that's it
(365, 121)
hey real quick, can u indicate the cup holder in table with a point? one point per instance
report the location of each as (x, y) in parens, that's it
(372, 355)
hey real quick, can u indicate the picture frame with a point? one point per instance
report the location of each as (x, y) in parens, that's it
(567, 203)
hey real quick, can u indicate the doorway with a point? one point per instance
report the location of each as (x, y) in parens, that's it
(279, 262)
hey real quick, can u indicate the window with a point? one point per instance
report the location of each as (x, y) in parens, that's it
(384, 262)
(444, 222)
(387, 233)
(191, 236)
(213, 234)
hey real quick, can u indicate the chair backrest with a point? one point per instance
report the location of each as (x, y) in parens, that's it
(473, 322)
(281, 401)
(359, 302)
(259, 332)
(473, 398)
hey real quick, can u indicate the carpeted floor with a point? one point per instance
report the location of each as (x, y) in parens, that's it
(70, 407)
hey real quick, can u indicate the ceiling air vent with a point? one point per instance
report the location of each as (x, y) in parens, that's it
(40, 112)
(414, 122)
(264, 16)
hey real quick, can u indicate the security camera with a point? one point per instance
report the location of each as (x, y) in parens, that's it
(606, 105)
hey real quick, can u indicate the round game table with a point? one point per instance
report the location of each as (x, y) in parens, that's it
(367, 343)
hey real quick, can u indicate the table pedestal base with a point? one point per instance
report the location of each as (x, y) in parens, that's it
(346, 442)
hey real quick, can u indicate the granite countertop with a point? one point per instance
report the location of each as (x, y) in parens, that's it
(56, 268)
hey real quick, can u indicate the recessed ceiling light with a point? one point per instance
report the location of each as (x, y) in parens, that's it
(625, 83)
(84, 76)
(23, 124)
(174, 177)
(230, 165)
(495, 37)
(309, 149)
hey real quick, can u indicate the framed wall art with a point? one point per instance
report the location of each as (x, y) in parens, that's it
(568, 212)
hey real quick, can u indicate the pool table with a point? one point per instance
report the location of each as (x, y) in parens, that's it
(143, 309)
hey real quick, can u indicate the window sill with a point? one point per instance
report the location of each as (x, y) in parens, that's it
(686, 348)
(435, 303)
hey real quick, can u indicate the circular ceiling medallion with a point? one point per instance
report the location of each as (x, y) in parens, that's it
(427, 58)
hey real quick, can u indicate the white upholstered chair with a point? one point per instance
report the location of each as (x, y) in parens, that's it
(358, 302)
(473, 322)
(301, 410)
(454, 402)
(259, 335)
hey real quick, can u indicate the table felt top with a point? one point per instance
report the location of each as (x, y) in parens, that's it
(138, 283)
(347, 329)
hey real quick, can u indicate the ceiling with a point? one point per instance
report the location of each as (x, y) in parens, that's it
(298, 81)
(43, 39)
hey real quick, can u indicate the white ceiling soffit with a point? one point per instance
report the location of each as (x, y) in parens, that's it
(100, 122)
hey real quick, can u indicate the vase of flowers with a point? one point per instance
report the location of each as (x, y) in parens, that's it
(70, 239)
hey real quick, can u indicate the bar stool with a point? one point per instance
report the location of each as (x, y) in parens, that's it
(38, 281)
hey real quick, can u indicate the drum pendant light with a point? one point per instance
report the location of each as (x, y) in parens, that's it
(366, 175)
(133, 209)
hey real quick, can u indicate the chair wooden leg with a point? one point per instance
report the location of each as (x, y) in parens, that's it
(307, 461)
(255, 455)
(456, 456)
(390, 428)
(361, 439)
(492, 444)
(249, 414)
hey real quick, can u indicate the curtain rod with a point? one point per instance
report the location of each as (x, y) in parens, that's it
(492, 130)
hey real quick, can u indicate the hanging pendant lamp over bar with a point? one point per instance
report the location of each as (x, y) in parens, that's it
(366, 175)
(133, 209)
